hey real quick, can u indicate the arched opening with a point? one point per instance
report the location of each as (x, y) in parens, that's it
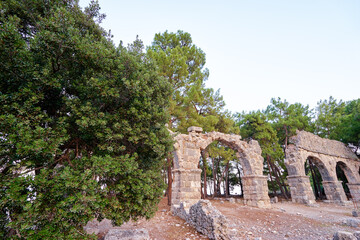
(344, 174)
(221, 171)
(342, 178)
(316, 170)
(276, 178)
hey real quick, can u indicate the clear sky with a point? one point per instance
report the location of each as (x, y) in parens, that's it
(300, 50)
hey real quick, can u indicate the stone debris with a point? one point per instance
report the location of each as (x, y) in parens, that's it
(274, 200)
(206, 219)
(342, 235)
(355, 213)
(357, 235)
(127, 234)
(96, 227)
(351, 222)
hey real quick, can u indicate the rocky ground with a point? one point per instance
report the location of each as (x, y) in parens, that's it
(285, 220)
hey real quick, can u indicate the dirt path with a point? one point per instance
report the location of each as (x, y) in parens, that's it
(165, 226)
(284, 220)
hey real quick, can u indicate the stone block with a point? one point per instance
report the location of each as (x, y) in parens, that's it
(195, 129)
(342, 235)
(352, 222)
(127, 234)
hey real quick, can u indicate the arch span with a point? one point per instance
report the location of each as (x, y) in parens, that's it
(326, 154)
(186, 188)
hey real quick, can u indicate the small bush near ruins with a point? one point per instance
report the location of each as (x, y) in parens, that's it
(81, 123)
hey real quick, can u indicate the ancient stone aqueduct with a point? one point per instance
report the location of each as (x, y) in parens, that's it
(326, 154)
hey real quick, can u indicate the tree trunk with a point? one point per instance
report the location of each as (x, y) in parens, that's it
(315, 181)
(277, 179)
(271, 178)
(282, 182)
(317, 196)
(204, 156)
(226, 188)
(240, 182)
(214, 177)
(201, 187)
(169, 172)
(286, 139)
(165, 179)
(169, 188)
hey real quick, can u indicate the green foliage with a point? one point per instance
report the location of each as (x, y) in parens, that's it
(82, 130)
(287, 118)
(182, 64)
(191, 103)
(350, 124)
(339, 121)
(328, 118)
(272, 128)
(255, 125)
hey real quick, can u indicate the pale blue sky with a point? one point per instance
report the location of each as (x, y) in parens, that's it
(300, 50)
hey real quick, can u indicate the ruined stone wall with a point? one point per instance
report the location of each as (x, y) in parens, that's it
(206, 219)
(313, 143)
(186, 188)
(326, 155)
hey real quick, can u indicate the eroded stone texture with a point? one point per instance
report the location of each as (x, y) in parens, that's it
(342, 235)
(186, 188)
(314, 143)
(96, 227)
(325, 154)
(206, 219)
(127, 234)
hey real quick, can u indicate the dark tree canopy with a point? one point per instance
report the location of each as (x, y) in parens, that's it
(82, 123)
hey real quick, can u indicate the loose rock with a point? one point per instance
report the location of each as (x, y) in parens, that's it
(127, 234)
(342, 235)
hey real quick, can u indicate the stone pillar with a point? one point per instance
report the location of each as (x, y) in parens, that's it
(300, 188)
(256, 191)
(186, 187)
(334, 191)
(354, 191)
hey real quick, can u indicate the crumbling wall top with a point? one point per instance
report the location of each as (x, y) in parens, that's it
(313, 143)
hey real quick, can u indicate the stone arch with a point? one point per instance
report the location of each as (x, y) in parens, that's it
(186, 188)
(325, 153)
(351, 177)
(323, 169)
(238, 146)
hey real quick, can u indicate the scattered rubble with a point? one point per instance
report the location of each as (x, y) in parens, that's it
(206, 219)
(342, 235)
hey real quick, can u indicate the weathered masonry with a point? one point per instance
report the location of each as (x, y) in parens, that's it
(326, 155)
(186, 188)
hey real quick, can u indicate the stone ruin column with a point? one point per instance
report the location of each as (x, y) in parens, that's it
(334, 191)
(354, 191)
(300, 189)
(255, 190)
(299, 183)
(186, 186)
